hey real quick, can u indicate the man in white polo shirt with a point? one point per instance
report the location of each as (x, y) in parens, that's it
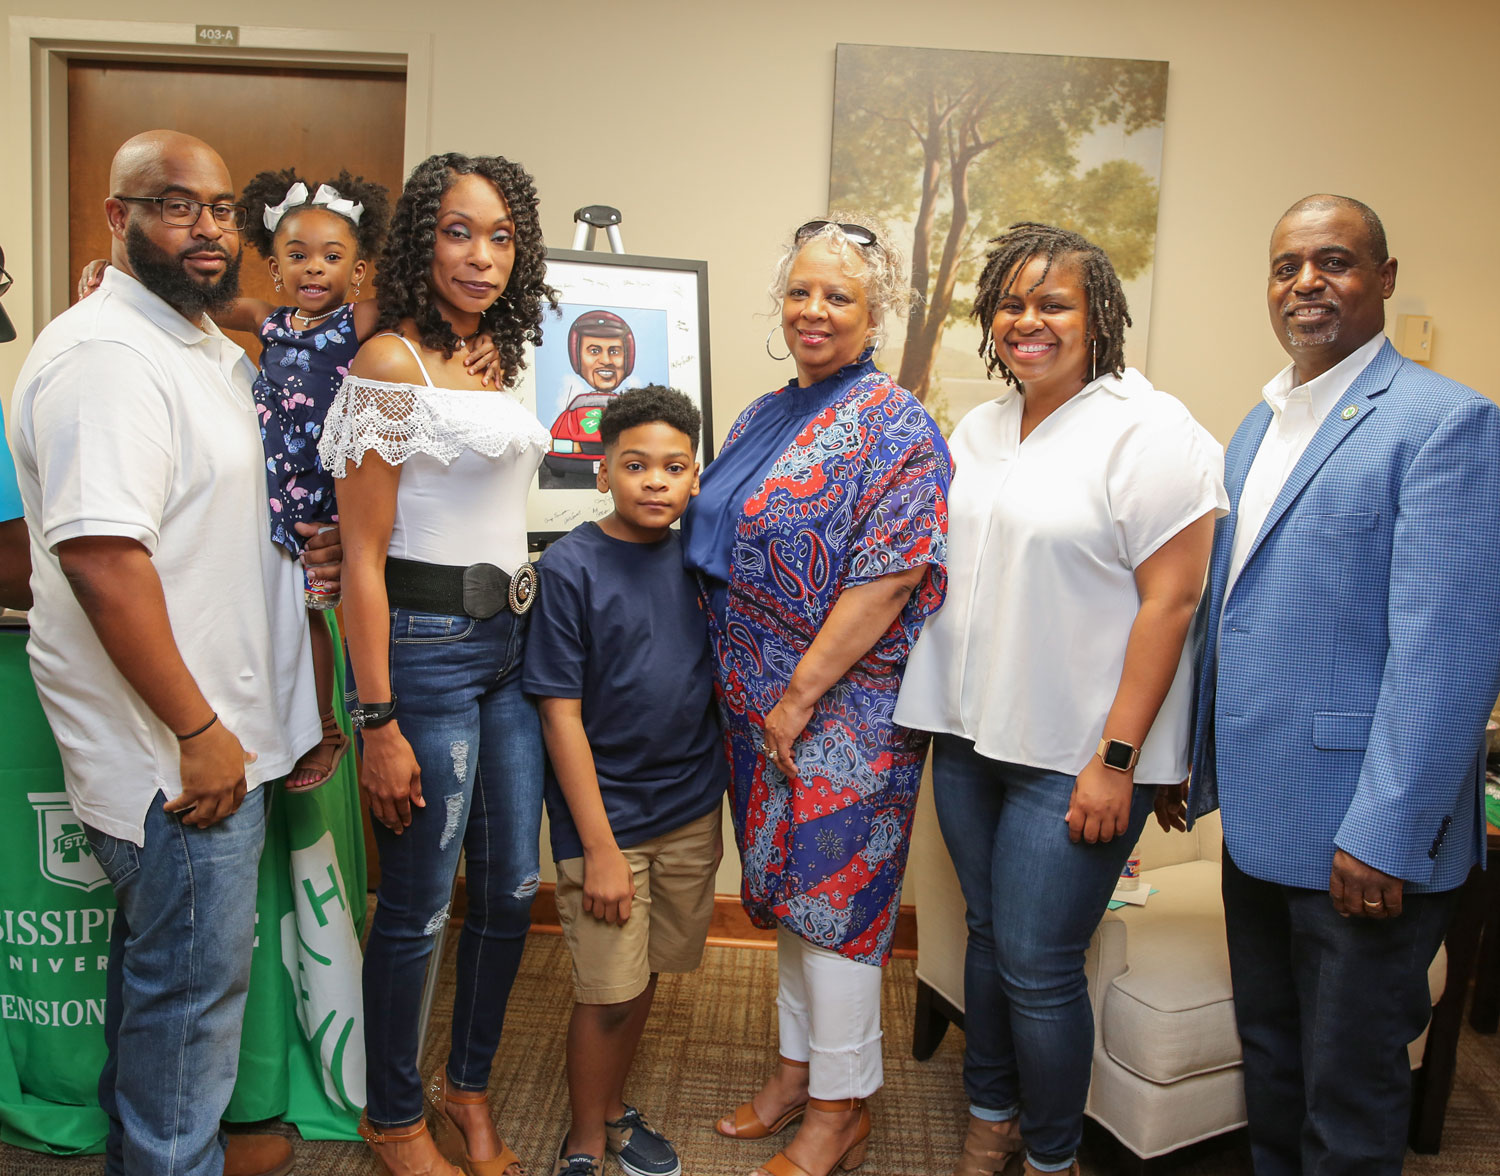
(167, 642)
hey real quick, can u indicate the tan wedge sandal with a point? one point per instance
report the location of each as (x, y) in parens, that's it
(451, 1140)
(378, 1139)
(780, 1165)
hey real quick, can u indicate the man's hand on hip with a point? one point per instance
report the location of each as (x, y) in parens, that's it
(1362, 892)
(213, 777)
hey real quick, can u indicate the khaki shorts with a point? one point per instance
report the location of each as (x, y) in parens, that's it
(669, 916)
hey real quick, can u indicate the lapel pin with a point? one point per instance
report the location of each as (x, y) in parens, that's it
(1350, 413)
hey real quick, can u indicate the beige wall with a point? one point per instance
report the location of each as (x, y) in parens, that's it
(708, 125)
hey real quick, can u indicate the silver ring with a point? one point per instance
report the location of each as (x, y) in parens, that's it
(769, 750)
(1376, 903)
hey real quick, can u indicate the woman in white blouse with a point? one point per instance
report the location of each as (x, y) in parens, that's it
(1055, 677)
(435, 471)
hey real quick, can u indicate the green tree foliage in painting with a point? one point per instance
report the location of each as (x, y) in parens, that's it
(971, 142)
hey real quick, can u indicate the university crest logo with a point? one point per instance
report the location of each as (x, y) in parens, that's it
(64, 854)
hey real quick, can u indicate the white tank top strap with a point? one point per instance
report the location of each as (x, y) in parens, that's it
(414, 354)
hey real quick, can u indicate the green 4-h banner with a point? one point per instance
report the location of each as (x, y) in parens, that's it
(302, 1053)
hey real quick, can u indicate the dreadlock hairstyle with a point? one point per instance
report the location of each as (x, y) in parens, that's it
(1108, 315)
(269, 189)
(403, 280)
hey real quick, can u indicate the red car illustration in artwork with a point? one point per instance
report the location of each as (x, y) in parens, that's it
(576, 448)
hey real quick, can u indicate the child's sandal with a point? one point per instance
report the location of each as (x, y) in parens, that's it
(334, 744)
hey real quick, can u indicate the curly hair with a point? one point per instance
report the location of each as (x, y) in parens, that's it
(1108, 314)
(269, 188)
(403, 282)
(888, 290)
(642, 406)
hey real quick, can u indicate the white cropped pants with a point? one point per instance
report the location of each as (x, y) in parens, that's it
(830, 1018)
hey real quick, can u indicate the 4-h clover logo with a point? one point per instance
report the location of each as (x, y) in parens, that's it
(589, 421)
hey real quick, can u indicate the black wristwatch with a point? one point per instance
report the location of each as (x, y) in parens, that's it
(1118, 754)
(368, 715)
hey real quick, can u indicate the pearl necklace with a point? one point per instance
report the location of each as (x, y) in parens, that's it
(308, 320)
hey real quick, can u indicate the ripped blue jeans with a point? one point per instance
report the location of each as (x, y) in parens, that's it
(478, 742)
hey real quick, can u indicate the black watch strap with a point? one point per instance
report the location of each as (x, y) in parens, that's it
(368, 715)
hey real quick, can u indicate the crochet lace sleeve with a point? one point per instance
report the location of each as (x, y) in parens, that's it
(390, 420)
(395, 421)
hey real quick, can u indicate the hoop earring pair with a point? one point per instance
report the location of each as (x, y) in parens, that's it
(772, 354)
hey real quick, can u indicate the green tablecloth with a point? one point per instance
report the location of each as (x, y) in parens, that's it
(302, 1054)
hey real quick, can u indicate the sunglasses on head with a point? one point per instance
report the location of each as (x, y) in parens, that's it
(856, 233)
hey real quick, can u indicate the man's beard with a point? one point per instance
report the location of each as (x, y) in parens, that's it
(167, 278)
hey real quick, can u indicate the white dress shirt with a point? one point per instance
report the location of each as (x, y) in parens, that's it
(1296, 412)
(130, 421)
(1044, 536)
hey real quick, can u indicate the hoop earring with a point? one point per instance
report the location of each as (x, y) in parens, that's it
(1093, 360)
(772, 354)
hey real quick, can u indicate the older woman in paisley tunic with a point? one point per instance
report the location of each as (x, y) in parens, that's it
(819, 536)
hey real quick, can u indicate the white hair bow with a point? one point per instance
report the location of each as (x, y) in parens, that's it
(296, 196)
(329, 197)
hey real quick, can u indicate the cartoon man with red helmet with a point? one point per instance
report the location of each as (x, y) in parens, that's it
(601, 348)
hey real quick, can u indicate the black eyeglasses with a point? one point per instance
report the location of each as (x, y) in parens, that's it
(180, 211)
(856, 233)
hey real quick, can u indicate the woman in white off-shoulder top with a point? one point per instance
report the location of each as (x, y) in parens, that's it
(435, 469)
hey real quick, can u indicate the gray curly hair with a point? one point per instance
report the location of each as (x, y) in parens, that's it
(888, 290)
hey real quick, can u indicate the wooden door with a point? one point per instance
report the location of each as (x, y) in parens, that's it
(317, 121)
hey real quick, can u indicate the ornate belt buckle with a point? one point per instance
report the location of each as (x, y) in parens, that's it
(522, 592)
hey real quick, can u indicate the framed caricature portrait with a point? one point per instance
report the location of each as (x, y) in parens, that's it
(625, 322)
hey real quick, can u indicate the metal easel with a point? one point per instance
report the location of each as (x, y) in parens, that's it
(588, 221)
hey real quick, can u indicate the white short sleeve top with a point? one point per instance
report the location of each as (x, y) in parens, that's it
(1044, 536)
(130, 421)
(467, 458)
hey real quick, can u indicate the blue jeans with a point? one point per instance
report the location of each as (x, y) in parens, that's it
(1034, 899)
(478, 743)
(179, 967)
(1326, 1006)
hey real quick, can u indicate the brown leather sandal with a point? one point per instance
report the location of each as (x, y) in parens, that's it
(448, 1135)
(377, 1138)
(330, 750)
(988, 1147)
(748, 1125)
(780, 1165)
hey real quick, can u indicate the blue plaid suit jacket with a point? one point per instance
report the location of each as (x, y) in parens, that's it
(1343, 703)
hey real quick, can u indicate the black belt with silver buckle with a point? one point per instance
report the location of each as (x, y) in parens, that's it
(479, 590)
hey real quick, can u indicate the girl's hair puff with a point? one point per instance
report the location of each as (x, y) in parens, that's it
(403, 278)
(270, 188)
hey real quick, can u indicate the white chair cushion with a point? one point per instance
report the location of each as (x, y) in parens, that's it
(1170, 1014)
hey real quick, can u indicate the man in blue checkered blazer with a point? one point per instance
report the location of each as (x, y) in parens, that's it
(1349, 653)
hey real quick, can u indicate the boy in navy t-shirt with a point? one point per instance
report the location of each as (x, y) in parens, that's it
(618, 657)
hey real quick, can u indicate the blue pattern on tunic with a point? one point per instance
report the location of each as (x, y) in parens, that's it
(847, 482)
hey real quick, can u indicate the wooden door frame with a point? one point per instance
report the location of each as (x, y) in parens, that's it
(42, 47)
